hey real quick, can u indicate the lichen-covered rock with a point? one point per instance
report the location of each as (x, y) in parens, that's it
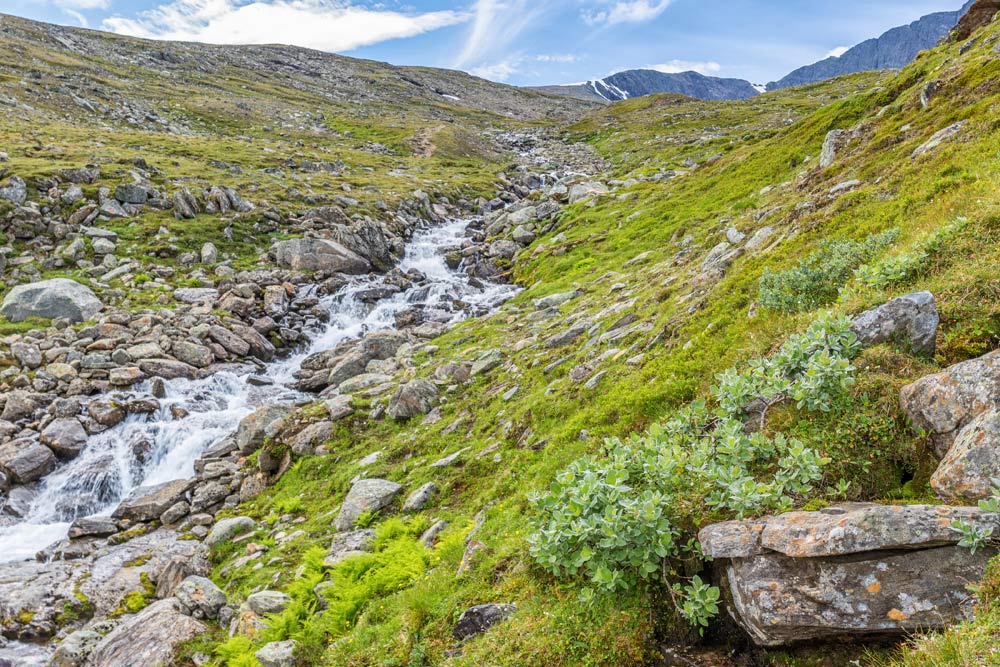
(50, 299)
(200, 597)
(227, 529)
(911, 320)
(147, 503)
(265, 423)
(854, 569)
(74, 649)
(277, 654)
(25, 460)
(416, 397)
(268, 602)
(367, 495)
(967, 470)
(147, 639)
(943, 403)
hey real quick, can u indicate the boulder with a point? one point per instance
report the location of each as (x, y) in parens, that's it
(196, 295)
(268, 602)
(830, 145)
(168, 369)
(277, 654)
(581, 191)
(74, 649)
(478, 619)
(185, 205)
(193, 354)
(911, 320)
(944, 403)
(319, 255)
(65, 436)
(50, 299)
(147, 639)
(227, 529)
(350, 543)
(200, 597)
(25, 460)
(967, 471)
(147, 503)
(367, 495)
(15, 190)
(849, 570)
(416, 397)
(265, 423)
(416, 500)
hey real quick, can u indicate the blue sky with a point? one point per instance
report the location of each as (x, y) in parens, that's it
(523, 42)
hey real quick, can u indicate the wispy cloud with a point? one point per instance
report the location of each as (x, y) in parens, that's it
(675, 66)
(496, 24)
(500, 71)
(82, 4)
(328, 25)
(837, 52)
(627, 11)
(80, 18)
(564, 58)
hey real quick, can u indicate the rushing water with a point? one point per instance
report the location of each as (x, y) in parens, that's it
(109, 468)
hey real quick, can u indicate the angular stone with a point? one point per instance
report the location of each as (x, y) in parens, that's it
(229, 340)
(350, 543)
(66, 437)
(200, 597)
(74, 649)
(968, 469)
(147, 503)
(416, 397)
(943, 403)
(416, 500)
(192, 354)
(196, 294)
(265, 423)
(147, 639)
(781, 600)
(478, 619)
(911, 320)
(92, 527)
(25, 460)
(168, 369)
(277, 654)
(367, 495)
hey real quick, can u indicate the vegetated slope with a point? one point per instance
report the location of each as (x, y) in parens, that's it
(656, 319)
(639, 82)
(893, 49)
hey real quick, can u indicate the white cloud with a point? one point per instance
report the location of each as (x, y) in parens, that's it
(564, 58)
(80, 18)
(628, 11)
(497, 71)
(328, 25)
(676, 66)
(495, 24)
(837, 52)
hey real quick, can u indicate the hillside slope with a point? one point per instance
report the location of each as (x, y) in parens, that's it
(423, 517)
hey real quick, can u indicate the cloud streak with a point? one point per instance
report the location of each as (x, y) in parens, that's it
(628, 11)
(495, 25)
(677, 66)
(327, 25)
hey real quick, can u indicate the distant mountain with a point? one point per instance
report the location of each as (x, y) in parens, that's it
(893, 50)
(639, 82)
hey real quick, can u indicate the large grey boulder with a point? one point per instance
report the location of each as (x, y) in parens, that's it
(65, 436)
(200, 597)
(416, 397)
(277, 654)
(147, 503)
(830, 145)
(227, 529)
(50, 299)
(15, 190)
(943, 403)
(367, 495)
(968, 469)
(147, 639)
(911, 320)
(265, 423)
(268, 602)
(25, 460)
(319, 255)
(855, 569)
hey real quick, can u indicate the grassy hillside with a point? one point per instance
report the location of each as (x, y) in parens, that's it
(640, 252)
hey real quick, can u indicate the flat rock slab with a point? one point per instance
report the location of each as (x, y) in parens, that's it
(781, 600)
(840, 530)
(367, 495)
(148, 502)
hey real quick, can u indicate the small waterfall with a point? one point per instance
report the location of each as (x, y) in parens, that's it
(155, 448)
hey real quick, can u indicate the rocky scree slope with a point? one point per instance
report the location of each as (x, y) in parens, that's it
(399, 529)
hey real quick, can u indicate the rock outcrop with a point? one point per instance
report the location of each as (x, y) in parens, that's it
(848, 570)
(51, 299)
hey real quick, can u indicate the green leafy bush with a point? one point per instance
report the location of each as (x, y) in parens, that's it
(624, 517)
(901, 268)
(816, 280)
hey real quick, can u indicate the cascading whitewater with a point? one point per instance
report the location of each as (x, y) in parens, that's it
(155, 448)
